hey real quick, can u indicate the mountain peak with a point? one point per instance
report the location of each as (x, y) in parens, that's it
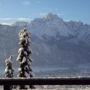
(51, 16)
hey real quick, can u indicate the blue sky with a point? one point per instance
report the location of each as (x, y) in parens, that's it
(14, 10)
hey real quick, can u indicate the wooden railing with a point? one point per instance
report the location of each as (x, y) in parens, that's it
(44, 81)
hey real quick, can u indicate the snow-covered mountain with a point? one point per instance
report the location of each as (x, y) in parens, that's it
(52, 25)
(55, 42)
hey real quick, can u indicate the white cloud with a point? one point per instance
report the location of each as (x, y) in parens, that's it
(5, 19)
(6, 23)
(23, 19)
(15, 19)
(9, 21)
(25, 3)
(43, 14)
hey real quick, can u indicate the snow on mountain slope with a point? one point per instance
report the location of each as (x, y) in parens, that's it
(49, 25)
(52, 25)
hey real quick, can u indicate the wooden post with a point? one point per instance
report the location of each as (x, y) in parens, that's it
(7, 87)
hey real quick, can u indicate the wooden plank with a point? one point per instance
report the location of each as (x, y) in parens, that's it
(46, 81)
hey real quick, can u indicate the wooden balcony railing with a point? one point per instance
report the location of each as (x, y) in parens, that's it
(7, 82)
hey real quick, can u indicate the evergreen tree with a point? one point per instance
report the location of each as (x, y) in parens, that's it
(9, 70)
(24, 55)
